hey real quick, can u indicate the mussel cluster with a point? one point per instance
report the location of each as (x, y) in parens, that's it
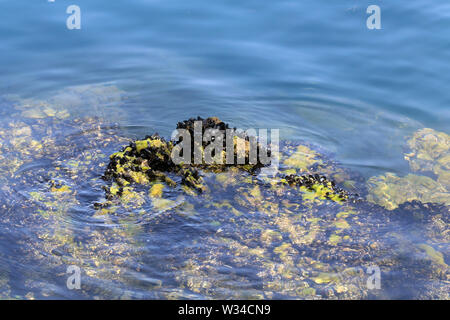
(319, 184)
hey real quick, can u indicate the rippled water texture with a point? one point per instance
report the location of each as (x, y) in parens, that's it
(368, 109)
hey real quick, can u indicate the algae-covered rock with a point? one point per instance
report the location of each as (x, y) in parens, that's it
(391, 190)
(303, 158)
(430, 151)
(435, 256)
(145, 161)
(428, 147)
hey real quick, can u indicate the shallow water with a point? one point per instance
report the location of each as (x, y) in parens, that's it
(311, 69)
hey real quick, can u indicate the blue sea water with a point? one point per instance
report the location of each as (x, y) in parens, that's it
(310, 68)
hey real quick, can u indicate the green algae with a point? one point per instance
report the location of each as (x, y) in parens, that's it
(163, 204)
(434, 255)
(342, 224)
(269, 236)
(303, 158)
(61, 189)
(325, 278)
(346, 213)
(428, 148)
(334, 239)
(390, 190)
(430, 151)
(156, 190)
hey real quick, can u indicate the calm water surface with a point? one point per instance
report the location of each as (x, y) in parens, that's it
(309, 68)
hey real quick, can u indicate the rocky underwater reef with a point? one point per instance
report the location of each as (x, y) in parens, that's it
(76, 191)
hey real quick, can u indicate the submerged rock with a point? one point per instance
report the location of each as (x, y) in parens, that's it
(303, 158)
(390, 190)
(430, 152)
(216, 232)
(77, 99)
